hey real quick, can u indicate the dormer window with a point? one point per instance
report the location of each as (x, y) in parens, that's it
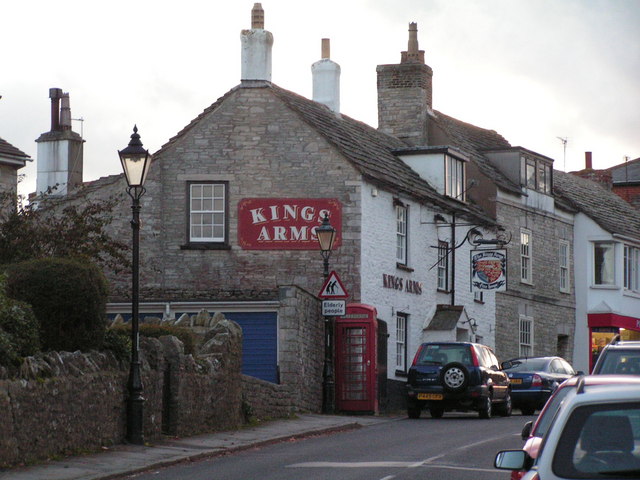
(454, 177)
(536, 174)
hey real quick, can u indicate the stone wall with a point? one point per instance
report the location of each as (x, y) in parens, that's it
(63, 403)
(264, 400)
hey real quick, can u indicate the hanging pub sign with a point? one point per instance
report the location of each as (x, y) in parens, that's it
(286, 223)
(488, 270)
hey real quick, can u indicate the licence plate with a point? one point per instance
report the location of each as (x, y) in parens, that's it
(516, 381)
(430, 396)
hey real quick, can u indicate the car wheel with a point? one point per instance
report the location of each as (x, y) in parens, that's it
(527, 410)
(454, 377)
(413, 410)
(436, 412)
(506, 406)
(486, 408)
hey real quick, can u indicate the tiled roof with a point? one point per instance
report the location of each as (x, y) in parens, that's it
(8, 150)
(369, 150)
(627, 172)
(474, 140)
(604, 207)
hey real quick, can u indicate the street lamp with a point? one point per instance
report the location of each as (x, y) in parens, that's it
(135, 163)
(326, 235)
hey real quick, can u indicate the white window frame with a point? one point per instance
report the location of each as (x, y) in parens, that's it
(632, 268)
(563, 262)
(526, 256)
(207, 212)
(402, 323)
(605, 275)
(443, 265)
(454, 178)
(402, 214)
(525, 336)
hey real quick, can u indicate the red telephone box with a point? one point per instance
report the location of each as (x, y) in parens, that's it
(356, 359)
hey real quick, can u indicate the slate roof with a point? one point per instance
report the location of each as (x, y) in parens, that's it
(474, 140)
(628, 172)
(604, 207)
(369, 150)
(446, 317)
(9, 151)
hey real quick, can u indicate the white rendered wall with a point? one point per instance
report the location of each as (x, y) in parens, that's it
(53, 166)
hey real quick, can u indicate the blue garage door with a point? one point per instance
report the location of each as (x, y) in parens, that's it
(259, 343)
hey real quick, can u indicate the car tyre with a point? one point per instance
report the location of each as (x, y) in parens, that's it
(454, 377)
(506, 407)
(413, 410)
(527, 410)
(436, 412)
(486, 408)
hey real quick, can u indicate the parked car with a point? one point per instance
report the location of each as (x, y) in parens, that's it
(534, 379)
(619, 357)
(460, 376)
(592, 436)
(534, 431)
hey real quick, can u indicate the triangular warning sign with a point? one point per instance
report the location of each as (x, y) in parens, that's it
(333, 288)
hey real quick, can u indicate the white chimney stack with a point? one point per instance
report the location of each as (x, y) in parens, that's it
(326, 79)
(256, 48)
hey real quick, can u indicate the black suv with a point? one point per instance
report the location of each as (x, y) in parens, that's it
(619, 357)
(457, 376)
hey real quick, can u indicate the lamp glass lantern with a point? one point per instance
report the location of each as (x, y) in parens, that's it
(326, 235)
(135, 161)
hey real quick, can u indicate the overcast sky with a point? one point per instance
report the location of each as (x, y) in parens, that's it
(533, 70)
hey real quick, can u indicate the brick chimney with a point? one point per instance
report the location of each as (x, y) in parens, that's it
(603, 177)
(405, 94)
(60, 151)
(256, 45)
(326, 79)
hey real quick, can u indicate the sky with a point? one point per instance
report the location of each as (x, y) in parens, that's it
(538, 72)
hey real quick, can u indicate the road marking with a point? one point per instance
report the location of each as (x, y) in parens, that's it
(388, 464)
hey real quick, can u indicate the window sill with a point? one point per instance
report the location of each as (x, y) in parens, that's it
(442, 290)
(401, 373)
(479, 301)
(401, 266)
(205, 246)
(631, 293)
(605, 287)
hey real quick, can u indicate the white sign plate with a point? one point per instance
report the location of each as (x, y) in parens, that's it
(333, 308)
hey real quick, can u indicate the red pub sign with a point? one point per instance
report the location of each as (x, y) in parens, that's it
(285, 223)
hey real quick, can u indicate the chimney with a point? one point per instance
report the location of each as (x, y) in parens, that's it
(587, 161)
(603, 177)
(256, 49)
(60, 151)
(405, 94)
(326, 79)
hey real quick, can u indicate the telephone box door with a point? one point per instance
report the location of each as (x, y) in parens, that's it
(356, 366)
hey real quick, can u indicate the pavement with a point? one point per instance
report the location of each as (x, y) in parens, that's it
(125, 459)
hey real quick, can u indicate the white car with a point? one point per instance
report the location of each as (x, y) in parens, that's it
(594, 435)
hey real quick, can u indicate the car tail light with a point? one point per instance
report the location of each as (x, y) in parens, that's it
(536, 381)
(474, 357)
(415, 358)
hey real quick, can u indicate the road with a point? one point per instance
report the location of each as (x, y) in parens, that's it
(456, 447)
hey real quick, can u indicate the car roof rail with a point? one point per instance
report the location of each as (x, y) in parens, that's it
(615, 339)
(580, 386)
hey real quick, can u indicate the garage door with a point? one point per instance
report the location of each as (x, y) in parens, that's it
(259, 343)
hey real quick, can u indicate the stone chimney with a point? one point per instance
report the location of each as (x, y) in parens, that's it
(326, 79)
(256, 47)
(60, 152)
(405, 94)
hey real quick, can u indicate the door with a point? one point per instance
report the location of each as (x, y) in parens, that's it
(355, 361)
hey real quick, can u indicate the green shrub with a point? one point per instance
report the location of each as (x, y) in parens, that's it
(155, 331)
(68, 297)
(118, 340)
(18, 329)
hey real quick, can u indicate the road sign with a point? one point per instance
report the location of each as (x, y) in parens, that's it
(333, 288)
(334, 308)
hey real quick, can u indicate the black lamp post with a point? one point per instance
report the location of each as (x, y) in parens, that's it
(326, 236)
(135, 163)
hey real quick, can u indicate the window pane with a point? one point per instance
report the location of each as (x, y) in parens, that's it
(603, 263)
(531, 174)
(207, 212)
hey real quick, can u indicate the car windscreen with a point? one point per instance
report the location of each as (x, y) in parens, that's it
(624, 362)
(528, 365)
(442, 354)
(546, 416)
